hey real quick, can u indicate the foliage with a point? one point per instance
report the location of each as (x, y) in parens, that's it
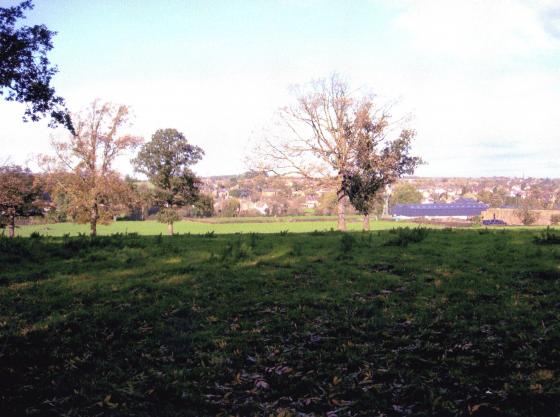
(203, 206)
(555, 219)
(82, 168)
(59, 211)
(327, 203)
(254, 239)
(142, 198)
(230, 208)
(235, 250)
(374, 169)
(18, 195)
(166, 161)
(347, 242)
(406, 235)
(405, 194)
(526, 216)
(495, 198)
(330, 131)
(547, 237)
(167, 215)
(25, 70)
(459, 324)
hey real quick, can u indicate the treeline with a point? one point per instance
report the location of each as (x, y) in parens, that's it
(80, 184)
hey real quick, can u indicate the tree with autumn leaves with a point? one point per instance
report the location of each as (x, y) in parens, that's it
(344, 139)
(19, 195)
(82, 168)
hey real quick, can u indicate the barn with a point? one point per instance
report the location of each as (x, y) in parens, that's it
(462, 208)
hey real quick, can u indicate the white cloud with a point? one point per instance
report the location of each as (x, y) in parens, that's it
(475, 29)
(480, 77)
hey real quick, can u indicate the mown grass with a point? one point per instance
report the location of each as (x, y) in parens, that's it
(395, 323)
(193, 227)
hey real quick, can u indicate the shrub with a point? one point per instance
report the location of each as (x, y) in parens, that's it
(555, 219)
(35, 235)
(526, 216)
(253, 239)
(75, 244)
(347, 243)
(16, 247)
(235, 250)
(405, 236)
(297, 249)
(547, 237)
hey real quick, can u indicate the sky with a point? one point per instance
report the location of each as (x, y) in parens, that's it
(481, 79)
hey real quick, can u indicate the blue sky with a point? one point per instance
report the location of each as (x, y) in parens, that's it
(481, 79)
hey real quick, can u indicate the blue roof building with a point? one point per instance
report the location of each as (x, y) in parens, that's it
(462, 208)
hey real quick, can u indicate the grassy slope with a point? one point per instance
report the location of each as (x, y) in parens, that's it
(155, 228)
(272, 324)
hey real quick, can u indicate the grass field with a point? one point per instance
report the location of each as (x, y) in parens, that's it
(389, 323)
(217, 225)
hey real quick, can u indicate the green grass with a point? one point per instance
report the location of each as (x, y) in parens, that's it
(395, 323)
(222, 226)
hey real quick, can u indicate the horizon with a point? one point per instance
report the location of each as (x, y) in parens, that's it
(480, 80)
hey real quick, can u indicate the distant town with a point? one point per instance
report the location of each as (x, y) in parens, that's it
(255, 195)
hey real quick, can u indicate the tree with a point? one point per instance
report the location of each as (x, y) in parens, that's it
(376, 167)
(327, 203)
(366, 196)
(166, 161)
(231, 208)
(204, 206)
(18, 195)
(526, 216)
(142, 198)
(405, 194)
(319, 135)
(95, 191)
(25, 70)
(494, 198)
(58, 211)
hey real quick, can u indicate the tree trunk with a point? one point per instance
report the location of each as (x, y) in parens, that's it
(365, 224)
(341, 210)
(94, 215)
(12, 227)
(170, 229)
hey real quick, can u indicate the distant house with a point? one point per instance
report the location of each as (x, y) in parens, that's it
(311, 202)
(268, 192)
(260, 206)
(462, 208)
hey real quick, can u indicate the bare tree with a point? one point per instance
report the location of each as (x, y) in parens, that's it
(93, 188)
(321, 135)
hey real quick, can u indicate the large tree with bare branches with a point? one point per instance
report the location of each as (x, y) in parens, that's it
(332, 133)
(95, 191)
